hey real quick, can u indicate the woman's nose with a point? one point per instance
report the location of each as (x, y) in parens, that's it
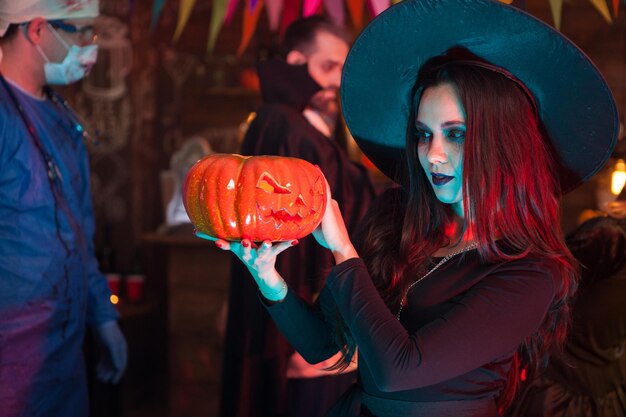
(436, 152)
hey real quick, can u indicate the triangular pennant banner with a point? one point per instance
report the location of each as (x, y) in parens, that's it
(378, 6)
(356, 12)
(335, 11)
(291, 11)
(557, 7)
(230, 11)
(184, 11)
(601, 6)
(310, 7)
(274, 9)
(157, 6)
(217, 20)
(250, 20)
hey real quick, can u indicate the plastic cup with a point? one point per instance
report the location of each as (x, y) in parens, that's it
(134, 287)
(114, 281)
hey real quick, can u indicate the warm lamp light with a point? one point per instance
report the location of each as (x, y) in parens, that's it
(114, 299)
(618, 179)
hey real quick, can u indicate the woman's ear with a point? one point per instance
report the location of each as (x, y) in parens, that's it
(296, 58)
(34, 30)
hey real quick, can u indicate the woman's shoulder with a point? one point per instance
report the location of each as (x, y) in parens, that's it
(534, 271)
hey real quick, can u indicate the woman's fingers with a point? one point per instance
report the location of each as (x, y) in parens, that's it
(246, 251)
(253, 254)
(268, 251)
(222, 244)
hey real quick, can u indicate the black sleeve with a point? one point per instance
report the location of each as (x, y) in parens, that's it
(307, 327)
(490, 321)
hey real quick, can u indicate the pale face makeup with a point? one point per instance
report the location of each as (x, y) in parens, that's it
(440, 136)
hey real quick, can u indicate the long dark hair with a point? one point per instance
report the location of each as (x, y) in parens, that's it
(511, 197)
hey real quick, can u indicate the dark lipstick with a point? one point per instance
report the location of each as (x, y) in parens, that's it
(440, 179)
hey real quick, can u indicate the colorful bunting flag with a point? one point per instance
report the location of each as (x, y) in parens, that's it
(335, 11)
(291, 12)
(250, 20)
(230, 11)
(281, 13)
(157, 6)
(310, 7)
(184, 11)
(557, 7)
(217, 20)
(356, 12)
(376, 7)
(601, 6)
(274, 9)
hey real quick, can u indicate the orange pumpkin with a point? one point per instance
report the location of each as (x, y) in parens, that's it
(255, 197)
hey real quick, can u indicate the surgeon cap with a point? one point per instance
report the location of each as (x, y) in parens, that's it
(20, 11)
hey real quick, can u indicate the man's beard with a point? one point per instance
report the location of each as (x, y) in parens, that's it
(327, 107)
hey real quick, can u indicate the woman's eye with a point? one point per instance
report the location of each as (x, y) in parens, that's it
(457, 135)
(422, 135)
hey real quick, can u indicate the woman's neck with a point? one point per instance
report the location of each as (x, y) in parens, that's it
(459, 235)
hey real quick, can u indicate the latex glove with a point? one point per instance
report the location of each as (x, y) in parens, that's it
(260, 261)
(112, 364)
(332, 233)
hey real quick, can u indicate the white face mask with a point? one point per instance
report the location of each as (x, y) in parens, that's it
(75, 66)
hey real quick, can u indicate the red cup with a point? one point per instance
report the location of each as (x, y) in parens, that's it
(114, 281)
(134, 287)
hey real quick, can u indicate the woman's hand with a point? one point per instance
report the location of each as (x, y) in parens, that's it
(332, 233)
(260, 261)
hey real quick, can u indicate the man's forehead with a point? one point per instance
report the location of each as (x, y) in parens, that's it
(330, 44)
(325, 37)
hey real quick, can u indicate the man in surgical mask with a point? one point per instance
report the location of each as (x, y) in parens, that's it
(50, 285)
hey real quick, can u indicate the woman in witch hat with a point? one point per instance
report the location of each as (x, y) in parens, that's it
(484, 116)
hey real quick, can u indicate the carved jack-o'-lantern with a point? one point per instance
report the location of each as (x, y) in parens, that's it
(260, 198)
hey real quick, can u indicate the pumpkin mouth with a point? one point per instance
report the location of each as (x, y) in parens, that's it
(270, 185)
(281, 216)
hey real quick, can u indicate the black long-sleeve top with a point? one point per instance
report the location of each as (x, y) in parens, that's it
(456, 336)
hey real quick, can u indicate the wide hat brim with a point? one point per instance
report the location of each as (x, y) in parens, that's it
(573, 99)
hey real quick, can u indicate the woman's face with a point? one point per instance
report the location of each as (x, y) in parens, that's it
(440, 135)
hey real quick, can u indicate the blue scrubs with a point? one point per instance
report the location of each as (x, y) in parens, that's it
(50, 286)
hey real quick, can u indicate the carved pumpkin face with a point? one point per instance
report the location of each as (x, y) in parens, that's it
(260, 198)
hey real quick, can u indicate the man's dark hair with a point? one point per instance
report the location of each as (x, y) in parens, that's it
(300, 35)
